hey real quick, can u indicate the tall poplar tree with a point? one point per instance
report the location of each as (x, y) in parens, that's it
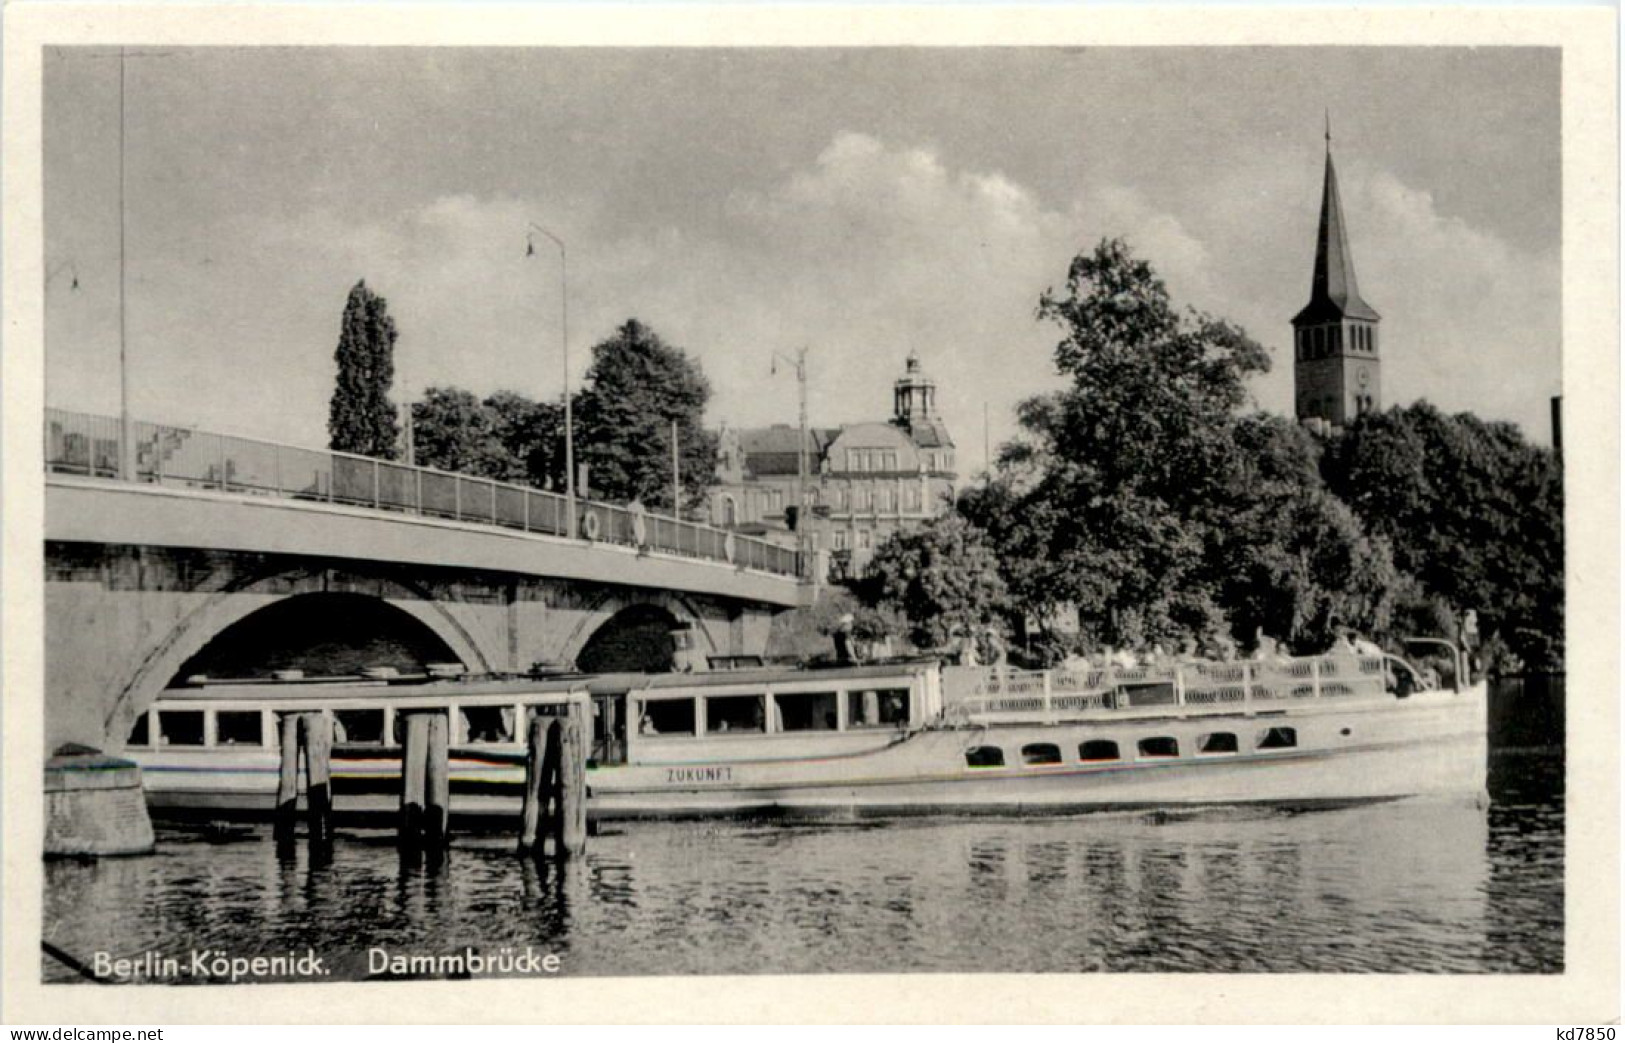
(361, 417)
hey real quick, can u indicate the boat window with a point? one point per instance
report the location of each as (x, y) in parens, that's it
(1160, 746)
(1041, 753)
(180, 727)
(1098, 750)
(138, 733)
(667, 717)
(365, 727)
(1278, 739)
(877, 708)
(984, 757)
(1217, 742)
(487, 723)
(733, 713)
(238, 728)
(805, 711)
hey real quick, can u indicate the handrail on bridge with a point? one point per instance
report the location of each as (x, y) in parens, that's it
(88, 444)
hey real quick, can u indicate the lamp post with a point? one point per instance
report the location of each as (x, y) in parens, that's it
(564, 338)
(800, 364)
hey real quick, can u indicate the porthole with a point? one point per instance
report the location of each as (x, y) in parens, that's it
(984, 757)
(1041, 753)
(1159, 746)
(1278, 739)
(1098, 750)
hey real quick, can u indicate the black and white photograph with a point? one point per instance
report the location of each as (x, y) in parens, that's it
(588, 509)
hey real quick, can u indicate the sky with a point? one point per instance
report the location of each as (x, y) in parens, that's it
(747, 202)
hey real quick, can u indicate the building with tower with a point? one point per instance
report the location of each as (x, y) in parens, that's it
(864, 481)
(1337, 368)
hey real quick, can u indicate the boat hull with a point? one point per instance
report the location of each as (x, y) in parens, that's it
(1431, 745)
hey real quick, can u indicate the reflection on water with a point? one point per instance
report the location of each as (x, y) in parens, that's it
(1396, 887)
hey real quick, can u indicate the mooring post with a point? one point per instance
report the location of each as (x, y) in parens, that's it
(414, 765)
(572, 809)
(437, 782)
(287, 787)
(530, 817)
(317, 736)
(550, 782)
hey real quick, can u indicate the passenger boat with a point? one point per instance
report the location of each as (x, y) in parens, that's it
(902, 738)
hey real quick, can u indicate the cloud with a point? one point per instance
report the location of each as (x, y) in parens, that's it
(869, 251)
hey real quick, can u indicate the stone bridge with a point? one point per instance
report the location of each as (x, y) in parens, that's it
(147, 579)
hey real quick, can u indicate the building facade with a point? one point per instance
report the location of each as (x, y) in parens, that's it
(1337, 367)
(863, 482)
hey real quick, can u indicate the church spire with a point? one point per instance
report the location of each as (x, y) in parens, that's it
(1334, 293)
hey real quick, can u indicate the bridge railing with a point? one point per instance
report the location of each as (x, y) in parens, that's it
(88, 444)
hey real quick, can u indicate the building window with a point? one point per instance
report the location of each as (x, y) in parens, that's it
(138, 734)
(838, 539)
(860, 498)
(885, 498)
(911, 497)
(863, 539)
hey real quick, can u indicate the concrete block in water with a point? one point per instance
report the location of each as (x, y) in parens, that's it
(94, 805)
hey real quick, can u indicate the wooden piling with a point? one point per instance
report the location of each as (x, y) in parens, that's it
(317, 735)
(287, 788)
(535, 805)
(414, 765)
(437, 783)
(572, 787)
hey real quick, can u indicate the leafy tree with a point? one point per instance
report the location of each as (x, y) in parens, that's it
(1473, 511)
(943, 578)
(532, 433)
(506, 436)
(1143, 496)
(454, 431)
(361, 418)
(636, 387)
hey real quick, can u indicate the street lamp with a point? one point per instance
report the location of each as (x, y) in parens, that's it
(800, 364)
(564, 337)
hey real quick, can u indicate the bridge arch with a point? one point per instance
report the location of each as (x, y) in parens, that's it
(600, 618)
(232, 605)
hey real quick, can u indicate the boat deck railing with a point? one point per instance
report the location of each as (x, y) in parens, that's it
(1001, 695)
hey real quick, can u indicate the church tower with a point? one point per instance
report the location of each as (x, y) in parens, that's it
(1337, 371)
(914, 396)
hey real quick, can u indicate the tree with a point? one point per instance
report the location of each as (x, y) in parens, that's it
(1143, 496)
(636, 387)
(506, 436)
(454, 431)
(943, 578)
(1473, 511)
(361, 418)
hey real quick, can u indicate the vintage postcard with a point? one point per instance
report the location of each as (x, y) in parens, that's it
(810, 514)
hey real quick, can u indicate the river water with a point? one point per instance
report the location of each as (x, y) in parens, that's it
(1409, 886)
